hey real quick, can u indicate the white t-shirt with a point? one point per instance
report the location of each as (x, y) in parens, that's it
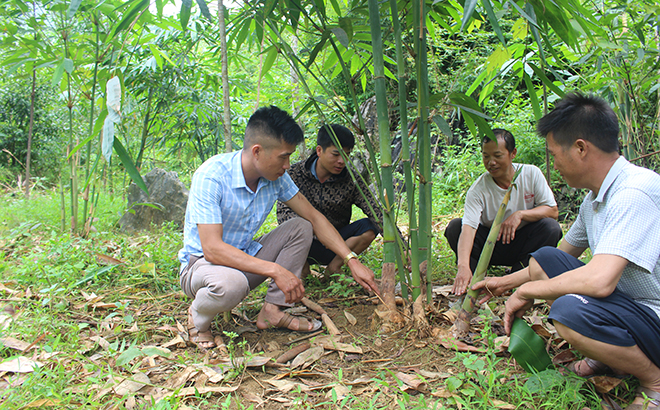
(485, 196)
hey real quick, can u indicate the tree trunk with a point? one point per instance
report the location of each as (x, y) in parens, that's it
(30, 130)
(225, 77)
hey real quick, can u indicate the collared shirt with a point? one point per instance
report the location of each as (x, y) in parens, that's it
(624, 220)
(484, 197)
(219, 195)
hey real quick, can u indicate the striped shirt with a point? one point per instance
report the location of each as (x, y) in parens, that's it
(624, 220)
(219, 195)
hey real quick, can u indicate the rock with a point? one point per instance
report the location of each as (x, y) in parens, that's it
(166, 201)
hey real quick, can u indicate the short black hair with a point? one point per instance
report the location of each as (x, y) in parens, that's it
(509, 141)
(274, 123)
(343, 134)
(582, 116)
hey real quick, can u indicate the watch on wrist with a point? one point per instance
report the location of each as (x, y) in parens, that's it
(350, 256)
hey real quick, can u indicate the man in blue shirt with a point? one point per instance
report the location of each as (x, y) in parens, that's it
(230, 197)
(609, 308)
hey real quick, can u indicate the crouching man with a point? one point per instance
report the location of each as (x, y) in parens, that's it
(230, 197)
(609, 308)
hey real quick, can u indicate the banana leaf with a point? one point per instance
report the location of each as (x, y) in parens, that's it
(528, 348)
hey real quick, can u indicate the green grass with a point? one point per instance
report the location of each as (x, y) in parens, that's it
(56, 273)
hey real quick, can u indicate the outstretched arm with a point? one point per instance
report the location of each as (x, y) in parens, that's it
(463, 251)
(328, 236)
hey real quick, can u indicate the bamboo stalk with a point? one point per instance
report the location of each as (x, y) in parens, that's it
(424, 143)
(470, 301)
(388, 277)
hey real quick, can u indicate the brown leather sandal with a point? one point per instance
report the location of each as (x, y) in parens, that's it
(303, 323)
(651, 399)
(196, 337)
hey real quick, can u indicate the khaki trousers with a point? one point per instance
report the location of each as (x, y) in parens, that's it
(217, 288)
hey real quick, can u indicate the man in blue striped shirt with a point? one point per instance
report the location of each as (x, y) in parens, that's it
(230, 197)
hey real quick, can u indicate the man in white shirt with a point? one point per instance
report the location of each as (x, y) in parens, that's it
(530, 219)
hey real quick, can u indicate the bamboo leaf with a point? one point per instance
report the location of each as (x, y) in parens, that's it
(492, 18)
(442, 125)
(270, 59)
(528, 348)
(318, 48)
(468, 9)
(130, 15)
(294, 12)
(532, 96)
(73, 7)
(57, 76)
(184, 14)
(205, 10)
(129, 165)
(68, 65)
(341, 35)
(546, 80)
(347, 25)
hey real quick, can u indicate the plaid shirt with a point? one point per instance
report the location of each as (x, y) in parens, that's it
(219, 195)
(334, 198)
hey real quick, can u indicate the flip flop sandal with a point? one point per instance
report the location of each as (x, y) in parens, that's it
(303, 323)
(196, 337)
(652, 399)
(598, 368)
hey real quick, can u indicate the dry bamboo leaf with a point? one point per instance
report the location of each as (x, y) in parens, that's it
(432, 375)
(132, 384)
(499, 404)
(307, 357)
(341, 347)
(541, 331)
(253, 398)
(351, 319)
(286, 386)
(5, 321)
(20, 364)
(442, 393)
(109, 260)
(332, 329)
(605, 383)
(444, 291)
(451, 343)
(105, 345)
(100, 305)
(180, 378)
(43, 403)
(178, 341)
(327, 300)
(340, 391)
(256, 361)
(411, 381)
(191, 391)
(13, 343)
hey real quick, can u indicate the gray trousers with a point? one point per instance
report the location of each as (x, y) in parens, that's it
(217, 288)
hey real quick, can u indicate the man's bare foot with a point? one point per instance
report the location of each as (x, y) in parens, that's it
(203, 340)
(271, 316)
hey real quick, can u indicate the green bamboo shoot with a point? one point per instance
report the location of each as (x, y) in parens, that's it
(470, 301)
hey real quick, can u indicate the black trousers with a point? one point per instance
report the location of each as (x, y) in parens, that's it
(529, 238)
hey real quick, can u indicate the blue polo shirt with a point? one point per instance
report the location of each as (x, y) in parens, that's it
(219, 195)
(624, 220)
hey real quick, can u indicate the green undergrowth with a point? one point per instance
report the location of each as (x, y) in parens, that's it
(62, 275)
